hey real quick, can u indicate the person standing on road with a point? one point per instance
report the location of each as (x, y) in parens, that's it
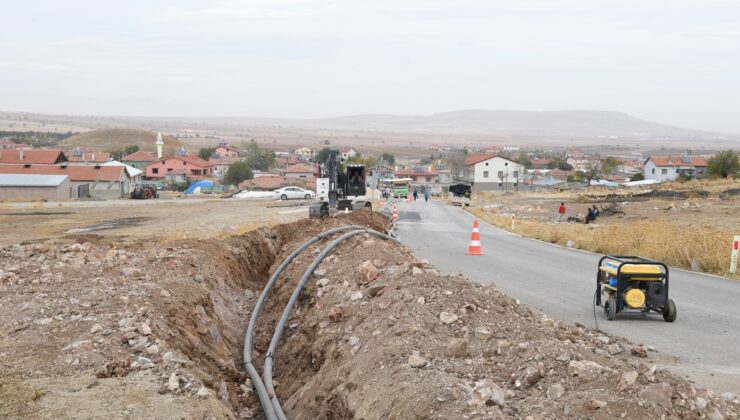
(561, 212)
(416, 194)
(426, 195)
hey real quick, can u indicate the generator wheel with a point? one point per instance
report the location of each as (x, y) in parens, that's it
(669, 312)
(610, 307)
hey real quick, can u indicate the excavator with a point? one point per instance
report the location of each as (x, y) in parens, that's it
(338, 186)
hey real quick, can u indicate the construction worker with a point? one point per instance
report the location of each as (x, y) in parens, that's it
(416, 194)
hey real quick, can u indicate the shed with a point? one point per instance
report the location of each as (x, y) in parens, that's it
(34, 187)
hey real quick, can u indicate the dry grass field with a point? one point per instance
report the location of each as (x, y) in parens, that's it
(694, 232)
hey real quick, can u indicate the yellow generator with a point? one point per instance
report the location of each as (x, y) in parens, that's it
(633, 283)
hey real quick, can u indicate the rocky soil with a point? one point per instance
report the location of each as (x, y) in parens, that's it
(105, 330)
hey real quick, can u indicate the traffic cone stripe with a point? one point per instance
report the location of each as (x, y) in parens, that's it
(474, 247)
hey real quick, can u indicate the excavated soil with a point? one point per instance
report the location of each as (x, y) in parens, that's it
(107, 330)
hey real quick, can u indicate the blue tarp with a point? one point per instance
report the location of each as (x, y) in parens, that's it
(199, 184)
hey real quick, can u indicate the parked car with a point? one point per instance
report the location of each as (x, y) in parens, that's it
(287, 193)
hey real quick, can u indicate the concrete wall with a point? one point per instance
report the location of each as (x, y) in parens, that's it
(60, 192)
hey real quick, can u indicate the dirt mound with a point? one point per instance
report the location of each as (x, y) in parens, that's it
(118, 138)
(151, 330)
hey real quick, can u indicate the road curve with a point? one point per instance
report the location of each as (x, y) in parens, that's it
(705, 339)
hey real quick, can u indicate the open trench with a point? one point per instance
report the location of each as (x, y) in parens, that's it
(209, 318)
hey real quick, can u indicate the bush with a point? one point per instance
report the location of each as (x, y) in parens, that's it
(237, 173)
(637, 177)
(724, 165)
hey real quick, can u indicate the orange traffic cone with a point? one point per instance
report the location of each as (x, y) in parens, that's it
(474, 248)
(395, 213)
(381, 203)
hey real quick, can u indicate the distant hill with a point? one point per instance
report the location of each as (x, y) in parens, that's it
(581, 124)
(117, 138)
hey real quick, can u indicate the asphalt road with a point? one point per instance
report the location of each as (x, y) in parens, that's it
(705, 339)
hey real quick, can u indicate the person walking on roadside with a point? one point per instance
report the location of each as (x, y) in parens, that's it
(561, 212)
(416, 194)
(426, 195)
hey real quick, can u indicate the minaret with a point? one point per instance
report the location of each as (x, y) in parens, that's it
(159, 144)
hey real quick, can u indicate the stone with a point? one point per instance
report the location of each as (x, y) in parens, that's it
(695, 265)
(570, 244)
(447, 318)
(376, 290)
(153, 349)
(614, 349)
(421, 300)
(416, 271)
(714, 414)
(701, 403)
(595, 404)
(323, 282)
(587, 369)
(144, 328)
(96, 329)
(628, 379)
(457, 347)
(526, 377)
(416, 361)
(354, 341)
(164, 293)
(356, 296)
(175, 357)
(658, 394)
(486, 392)
(203, 392)
(482, 333)
(639, 351)
(727, 396)
(43, 321)
(319, 272)
(554, 392)
(336, 314)
(367, 273)
(173, 384)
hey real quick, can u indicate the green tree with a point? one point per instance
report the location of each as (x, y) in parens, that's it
(205, 153)
(130, 149)
(389, 159)
(237, 173)
(258, 157)
(637, 177)
(323, 155)
(609, 165)
(559, 163)
(524, 159)
(723, 165)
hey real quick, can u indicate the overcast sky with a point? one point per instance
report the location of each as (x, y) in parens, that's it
(672, 61)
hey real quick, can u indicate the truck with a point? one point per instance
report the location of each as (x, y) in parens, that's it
(401, 187)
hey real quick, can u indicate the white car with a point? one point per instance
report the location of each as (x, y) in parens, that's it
(294, 192)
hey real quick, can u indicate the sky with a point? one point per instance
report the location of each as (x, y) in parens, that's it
(671, 61)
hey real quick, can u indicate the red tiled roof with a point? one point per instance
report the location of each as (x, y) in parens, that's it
(195, 160)
(473, 159)
(541, 161)
(299, 168)
(677, 161)
(233, 149)
(223, 160)
(140, 156)
(47, 157)
(75, 172)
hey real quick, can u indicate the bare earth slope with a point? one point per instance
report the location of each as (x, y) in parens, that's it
(118, 138)
(155, 331)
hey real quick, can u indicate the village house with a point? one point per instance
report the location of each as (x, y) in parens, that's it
(139, 159)
(221, 164)
(194, 167)
(301, 170)
(668, 168)
(347, 153)
(491, 172)
(31, 157)
(540, 163)
(307, 153)
(223, 150)
(34, 187)
(82, 157)
(98, 180)
(420, 175)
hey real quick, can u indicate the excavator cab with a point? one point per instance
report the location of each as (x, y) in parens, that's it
(355, 180)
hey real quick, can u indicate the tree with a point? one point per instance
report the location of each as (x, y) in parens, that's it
(723, 165)
(130, 149)
(323, 155)
(609, 165)
(559, 163)
(259, 158)
(237, 173)
(637, 177)
(206, 152)
(389, 159)
(524, 159)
